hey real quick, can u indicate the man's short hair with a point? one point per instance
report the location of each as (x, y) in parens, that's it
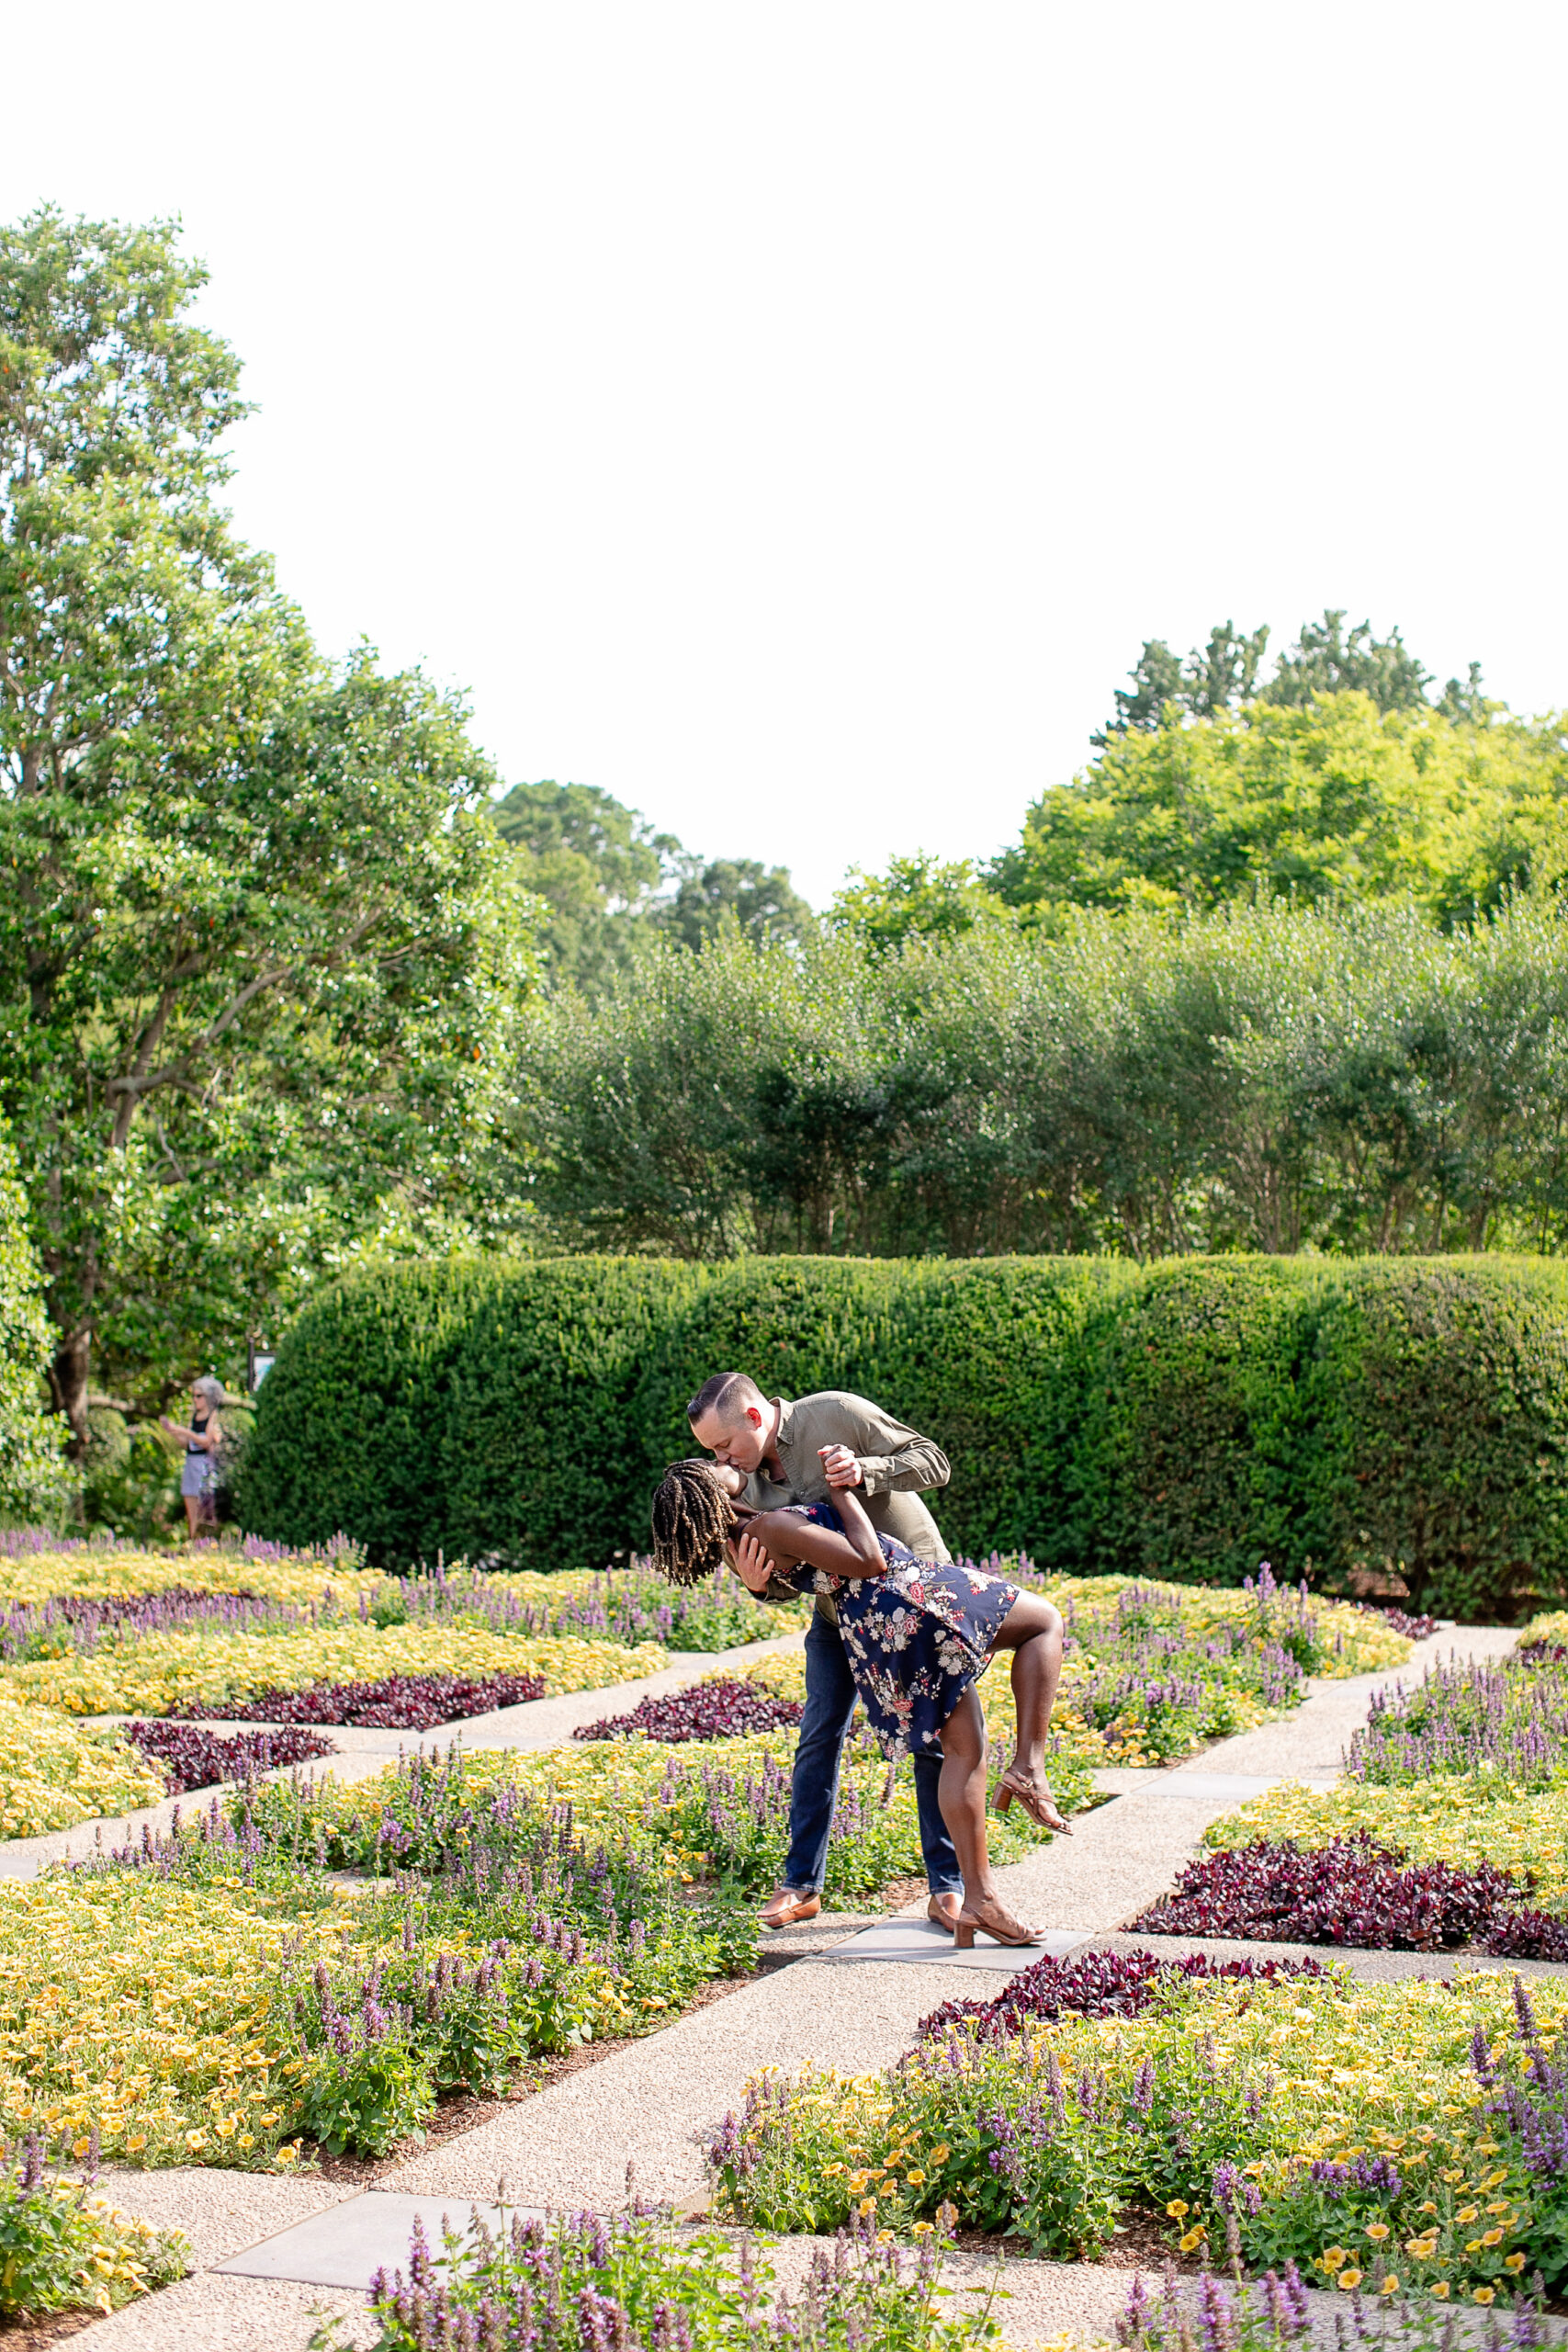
(726, 1394)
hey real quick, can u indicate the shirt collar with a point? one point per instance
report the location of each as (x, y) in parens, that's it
(786, 1413)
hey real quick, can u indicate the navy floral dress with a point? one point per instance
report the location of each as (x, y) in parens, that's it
(916, 1636)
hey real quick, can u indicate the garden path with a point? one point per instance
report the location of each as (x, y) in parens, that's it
(841, 2001)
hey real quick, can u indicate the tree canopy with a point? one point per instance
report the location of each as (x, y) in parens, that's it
(918, 896)
(1331, 797)
(260, 943)
(597, 865)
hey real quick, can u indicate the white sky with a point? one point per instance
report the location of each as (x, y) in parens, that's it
(792, 419)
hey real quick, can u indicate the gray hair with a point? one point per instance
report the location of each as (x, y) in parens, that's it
(208, 1388)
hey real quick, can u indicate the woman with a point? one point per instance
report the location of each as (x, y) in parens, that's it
(198, 1475)
(918, 1635)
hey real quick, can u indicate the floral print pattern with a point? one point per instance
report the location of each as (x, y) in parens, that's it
(916, 1637)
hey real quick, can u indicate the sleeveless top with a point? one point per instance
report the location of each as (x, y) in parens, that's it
(198, 1428)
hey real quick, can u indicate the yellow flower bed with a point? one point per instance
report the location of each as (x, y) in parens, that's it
(1355, 2069)
(119, 1575)
(1552, 1625)
(54, 1774)
(1368, 1645)
(1461, 1818)
(211, 1669)
(136, 2006)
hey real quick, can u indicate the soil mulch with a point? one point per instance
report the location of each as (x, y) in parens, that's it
(52, 2327)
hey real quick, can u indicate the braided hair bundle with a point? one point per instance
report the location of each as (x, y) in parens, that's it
(691, 1521)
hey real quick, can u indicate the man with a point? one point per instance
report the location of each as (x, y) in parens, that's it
(799, 1453)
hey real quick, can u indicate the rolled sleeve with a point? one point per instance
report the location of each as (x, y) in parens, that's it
(913, 1467)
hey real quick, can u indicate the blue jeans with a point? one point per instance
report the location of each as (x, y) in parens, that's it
(830, 1703)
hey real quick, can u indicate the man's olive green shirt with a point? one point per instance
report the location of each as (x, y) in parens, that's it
(897, 1465)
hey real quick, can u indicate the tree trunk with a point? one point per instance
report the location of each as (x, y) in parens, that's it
(68, 1379)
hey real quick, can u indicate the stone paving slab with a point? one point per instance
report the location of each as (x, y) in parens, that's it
(1117, 1860)
(346, 2244)
(211, 2312)
(1233, 1788)
(923, 1943)
(220, 2212)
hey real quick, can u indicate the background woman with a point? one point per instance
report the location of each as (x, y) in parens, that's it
(918, 1635)
(198, 1475)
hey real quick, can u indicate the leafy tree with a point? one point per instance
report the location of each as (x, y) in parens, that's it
(30, 1481)
(1224, 675)
(1266, 1075)
(1221, 677)
(598, 866)
(258, 945)
(1313, 799)
(1326, 659)
(758, 901)
(918, 896)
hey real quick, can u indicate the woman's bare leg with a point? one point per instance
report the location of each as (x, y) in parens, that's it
(1033, 1631)
(961, 1792)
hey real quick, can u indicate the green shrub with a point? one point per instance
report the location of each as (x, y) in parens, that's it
(350, 1420)
(1184, 1418)
(1440, 1427)
(546, 1459)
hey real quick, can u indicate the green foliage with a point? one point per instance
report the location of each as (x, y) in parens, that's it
(1261, 1077)
(640, 2283)
(412, 1399)
(259, 945)
(1181, 1419)
(917, 895)
(1330, 660)
(1309, 797)
(596, 864)
(30, 1479)
(63, 2248)
(1223, 676)
(1325, 659)
(1213, 2106)
(738, 894)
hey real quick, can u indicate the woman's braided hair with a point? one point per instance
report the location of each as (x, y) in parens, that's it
(692, 1521)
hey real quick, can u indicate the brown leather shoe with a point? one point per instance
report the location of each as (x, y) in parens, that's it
(789, 1906)
(945, 1908)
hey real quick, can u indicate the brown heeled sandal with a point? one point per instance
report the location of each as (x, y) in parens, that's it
(1000, 1928)
(1040, 1809)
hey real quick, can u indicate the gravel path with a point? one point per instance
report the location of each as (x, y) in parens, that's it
(651, 2103)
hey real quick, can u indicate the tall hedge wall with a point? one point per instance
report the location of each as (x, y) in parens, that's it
(1183, 1418)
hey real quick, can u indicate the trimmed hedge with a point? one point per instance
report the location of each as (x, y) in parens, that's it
(1184, 1418)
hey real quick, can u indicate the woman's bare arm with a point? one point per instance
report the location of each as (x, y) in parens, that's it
(791, 1539)
(209, 1437)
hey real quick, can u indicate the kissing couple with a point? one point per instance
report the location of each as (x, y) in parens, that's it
(822, 1496)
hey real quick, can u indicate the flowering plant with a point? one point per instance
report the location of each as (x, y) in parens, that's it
(1328, 2120)
(632, 2282)
(212, 1672)
(62, 2247)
